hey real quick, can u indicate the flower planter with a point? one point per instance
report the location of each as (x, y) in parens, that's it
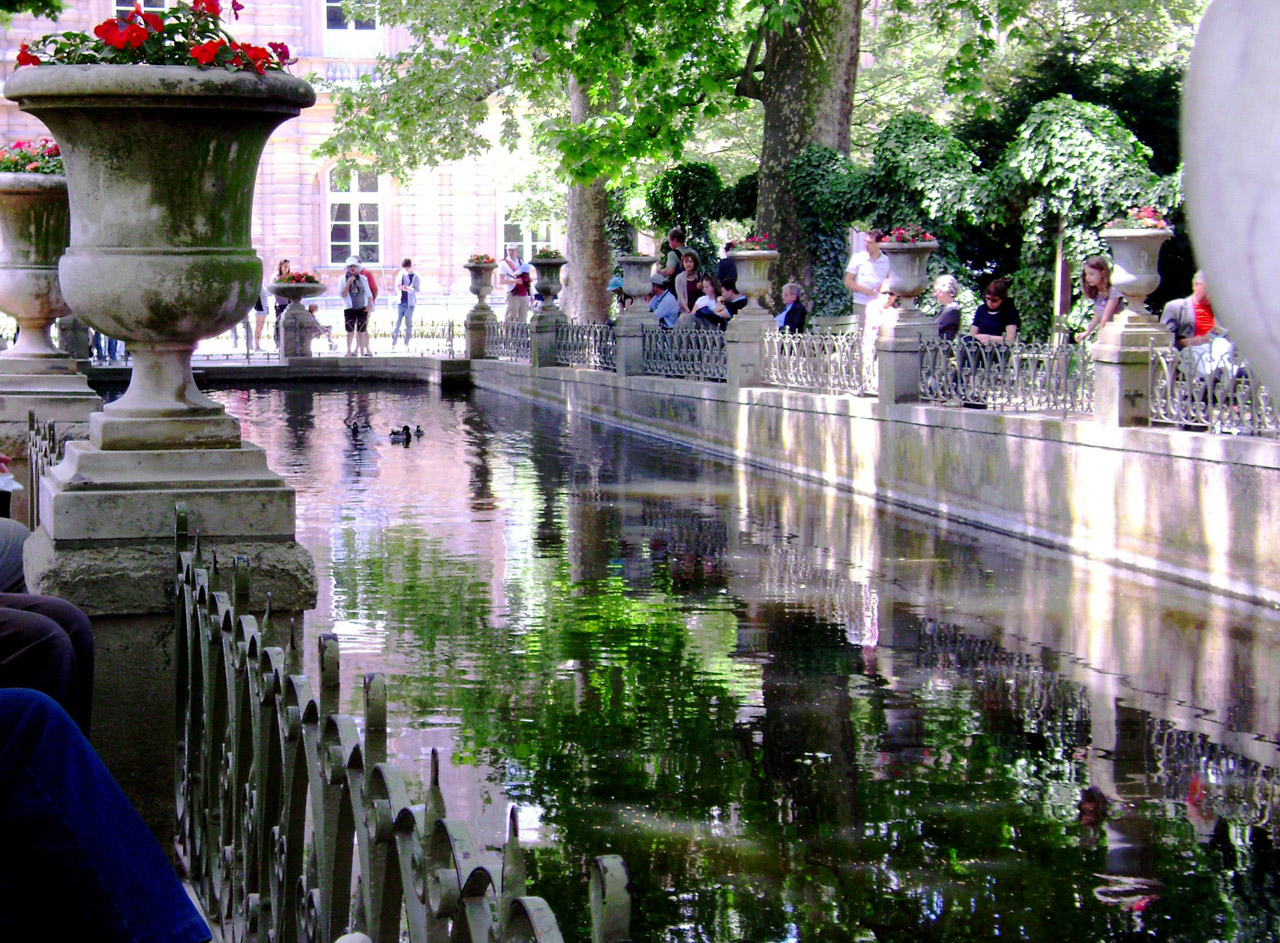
(297, 324)
(753, 279)
(1135, 253)
(548, 284)
(160, 164)
(908, 271)
(35, 226)
(481, 285)
(637, 271)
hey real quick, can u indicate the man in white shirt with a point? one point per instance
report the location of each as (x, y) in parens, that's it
(866, 272)
(513, 273)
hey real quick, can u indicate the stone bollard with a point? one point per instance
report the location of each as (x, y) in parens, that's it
(744, 347)
(1122, 370)
(628, 335)
(898, 351)
(475, 326)
(542, 336)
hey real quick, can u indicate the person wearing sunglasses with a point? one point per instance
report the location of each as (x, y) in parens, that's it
(996, 321)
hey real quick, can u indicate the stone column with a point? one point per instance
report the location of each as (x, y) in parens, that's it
(161, 267)
(898, 351)
(628, 334)
(542, 336)
(1122, 354)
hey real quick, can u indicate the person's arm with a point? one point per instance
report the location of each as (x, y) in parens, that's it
(1010, 334)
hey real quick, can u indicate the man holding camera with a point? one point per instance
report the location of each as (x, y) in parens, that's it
(358, 298)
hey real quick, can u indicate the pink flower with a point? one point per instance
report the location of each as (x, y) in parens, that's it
(236, 7)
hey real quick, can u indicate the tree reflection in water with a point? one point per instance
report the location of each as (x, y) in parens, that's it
(667, 677)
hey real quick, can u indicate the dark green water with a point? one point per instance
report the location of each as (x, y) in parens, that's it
(797, 717)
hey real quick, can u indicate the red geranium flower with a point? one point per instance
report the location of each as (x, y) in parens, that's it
(111, 33)
(205, 53)
(209, 7)
(257, 55)
(282, 52)
(25, 57)
(236, 7)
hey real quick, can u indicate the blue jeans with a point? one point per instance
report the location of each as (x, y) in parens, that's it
(68, 830)
(404, 314)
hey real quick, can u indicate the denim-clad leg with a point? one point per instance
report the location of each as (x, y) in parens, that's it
(401, 309)
(78, 862)
(408, 322)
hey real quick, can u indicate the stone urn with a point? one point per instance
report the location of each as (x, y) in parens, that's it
(35, 226)
(637, 271)
(753, 281)
(481, 286)
(1134, 272)
(298, 326)
(160, 164)
(548, 283)
(908, 272)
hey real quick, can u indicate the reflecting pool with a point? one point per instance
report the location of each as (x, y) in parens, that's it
(796, 715)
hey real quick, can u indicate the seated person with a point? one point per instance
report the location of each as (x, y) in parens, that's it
(68, 829)
(710, 313)
(996, 321)
(945, 290)
(1191, 319)
(661, 302)
(733, 300)
(793, 314)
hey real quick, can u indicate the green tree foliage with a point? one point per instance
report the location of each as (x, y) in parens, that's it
(648, 72)
(49, 8)
(692, 196)
(1068, 162)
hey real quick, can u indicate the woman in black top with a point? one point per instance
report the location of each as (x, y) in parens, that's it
(945, 290)
(996, 321)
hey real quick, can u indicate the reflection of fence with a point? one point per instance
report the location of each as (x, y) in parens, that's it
(1021, 378)
(821, 362)
(688, 354)
(1197, 388)
(585, 345)
(282, 801)
(507, 341)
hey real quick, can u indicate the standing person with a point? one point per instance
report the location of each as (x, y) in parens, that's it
(726, 268)
(260, 308)
(409, 287)
(793, 314)
(675, 242)
(357, 298)
(514, 273)
(1105, 298)
(996, 321)
(945, 290)
(688, 283)
(865, 273)
(282, 269)
(362, 339)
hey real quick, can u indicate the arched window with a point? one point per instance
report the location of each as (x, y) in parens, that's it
(355, 215)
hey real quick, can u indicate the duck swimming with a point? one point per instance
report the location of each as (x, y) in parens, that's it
(401, 435)
(417, 432)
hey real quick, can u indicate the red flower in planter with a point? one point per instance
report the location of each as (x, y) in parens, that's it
(205, 53)
(110, 33)
(282, 52)
(209, 7)
(236, 7)
(257, 55)
(25, 57)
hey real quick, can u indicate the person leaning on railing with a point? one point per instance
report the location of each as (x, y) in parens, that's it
(793, 315)
(996, 321)
(945, 290)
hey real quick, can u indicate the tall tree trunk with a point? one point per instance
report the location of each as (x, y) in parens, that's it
(586, 296)
(807, 90)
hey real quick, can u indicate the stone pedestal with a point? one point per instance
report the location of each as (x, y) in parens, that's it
(744, 346)
(1122, 369)
(628, 336)
(105, 543)
(475, 326)
(898, 349)
(542, 336)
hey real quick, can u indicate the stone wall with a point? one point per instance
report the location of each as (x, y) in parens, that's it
(1195, 507)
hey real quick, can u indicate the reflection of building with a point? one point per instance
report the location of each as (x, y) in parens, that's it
(305, 211)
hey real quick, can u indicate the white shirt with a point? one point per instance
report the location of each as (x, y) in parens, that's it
(867, 272)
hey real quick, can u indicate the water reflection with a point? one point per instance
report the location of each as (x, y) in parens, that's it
(797, 716)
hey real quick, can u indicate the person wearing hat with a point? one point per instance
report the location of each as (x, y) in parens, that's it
(662, 303)
(688, 281)
(615, 289)
(357, 299)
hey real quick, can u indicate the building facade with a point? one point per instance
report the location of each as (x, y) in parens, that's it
(306, 209)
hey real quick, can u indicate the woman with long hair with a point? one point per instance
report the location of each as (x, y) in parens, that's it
(282, 269)
(1095, 283)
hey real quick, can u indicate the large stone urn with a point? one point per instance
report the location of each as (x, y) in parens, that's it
(160, 164)
(298, 326)
(902, 337)
(548, 283)
(481, 312)
(1122, 354)
(637, 272)
(1230, 136)
(753, 281)
(908, 272)
(35, 226)
(744, 336)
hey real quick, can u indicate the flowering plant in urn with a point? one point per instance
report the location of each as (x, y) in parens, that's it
(31, 157)
(1140, 217)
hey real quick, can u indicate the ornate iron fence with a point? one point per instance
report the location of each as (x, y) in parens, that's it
(503, 341)
(1021, 378)
(824, 362)
(44, 450)
(688, 354)
(587, 345)
(429, 338)
(281, 801)
(1214, 392)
